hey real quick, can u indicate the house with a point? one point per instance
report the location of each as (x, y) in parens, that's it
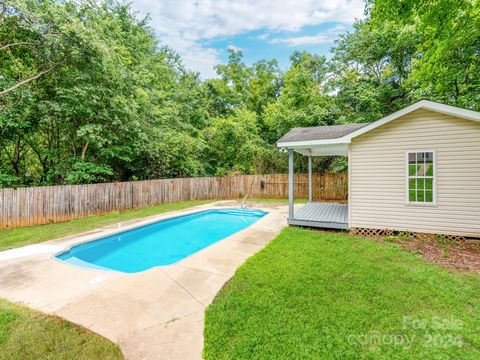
(416, 170)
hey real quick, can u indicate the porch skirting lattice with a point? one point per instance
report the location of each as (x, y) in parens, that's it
(369, 232)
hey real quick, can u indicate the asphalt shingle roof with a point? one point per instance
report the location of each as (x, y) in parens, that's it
(320, 132)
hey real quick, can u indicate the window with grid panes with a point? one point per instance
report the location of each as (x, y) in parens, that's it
(421, 177)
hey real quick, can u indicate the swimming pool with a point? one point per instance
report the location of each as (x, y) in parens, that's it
(162, 243)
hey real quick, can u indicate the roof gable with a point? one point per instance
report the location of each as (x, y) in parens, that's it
(343, 134)
(423, 104)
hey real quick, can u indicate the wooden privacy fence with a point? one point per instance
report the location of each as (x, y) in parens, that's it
(49, 204)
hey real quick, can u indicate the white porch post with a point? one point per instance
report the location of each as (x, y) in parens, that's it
(310, 197)
(290, 183)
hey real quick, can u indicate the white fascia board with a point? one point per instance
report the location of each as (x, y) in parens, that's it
(324, 150)
(310, 143)
(452, 110)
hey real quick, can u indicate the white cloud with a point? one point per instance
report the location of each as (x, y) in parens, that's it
(234, 48)
(185, 25)
(200, 59)
(320, 38)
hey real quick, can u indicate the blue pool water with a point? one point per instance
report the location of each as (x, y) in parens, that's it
(161, 243)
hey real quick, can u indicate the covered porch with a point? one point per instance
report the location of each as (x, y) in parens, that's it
(328, 215)
(317, 141)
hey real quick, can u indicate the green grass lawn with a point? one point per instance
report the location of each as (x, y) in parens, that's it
(314, 295)
(26, 334)
(34, 234)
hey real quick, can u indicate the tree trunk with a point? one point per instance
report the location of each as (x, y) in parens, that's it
(16, 158)
(84, 150)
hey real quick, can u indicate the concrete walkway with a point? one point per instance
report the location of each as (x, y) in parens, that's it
(155, 314)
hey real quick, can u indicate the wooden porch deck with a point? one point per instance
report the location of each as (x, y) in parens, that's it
(322, 215)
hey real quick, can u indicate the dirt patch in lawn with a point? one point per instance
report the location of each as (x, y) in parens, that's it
(459, 255)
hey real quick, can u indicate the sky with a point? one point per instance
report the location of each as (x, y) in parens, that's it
(202, 31)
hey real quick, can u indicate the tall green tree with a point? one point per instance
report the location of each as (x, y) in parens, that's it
(370, 68)
(235, 145)
(304, 99)
(109, 89)
(447, 61)
(87, 94)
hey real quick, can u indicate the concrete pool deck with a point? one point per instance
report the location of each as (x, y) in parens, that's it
(155, 314)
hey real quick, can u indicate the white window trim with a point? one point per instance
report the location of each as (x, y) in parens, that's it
(434, 197)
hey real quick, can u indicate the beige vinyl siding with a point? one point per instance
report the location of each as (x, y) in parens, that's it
(378, 175)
